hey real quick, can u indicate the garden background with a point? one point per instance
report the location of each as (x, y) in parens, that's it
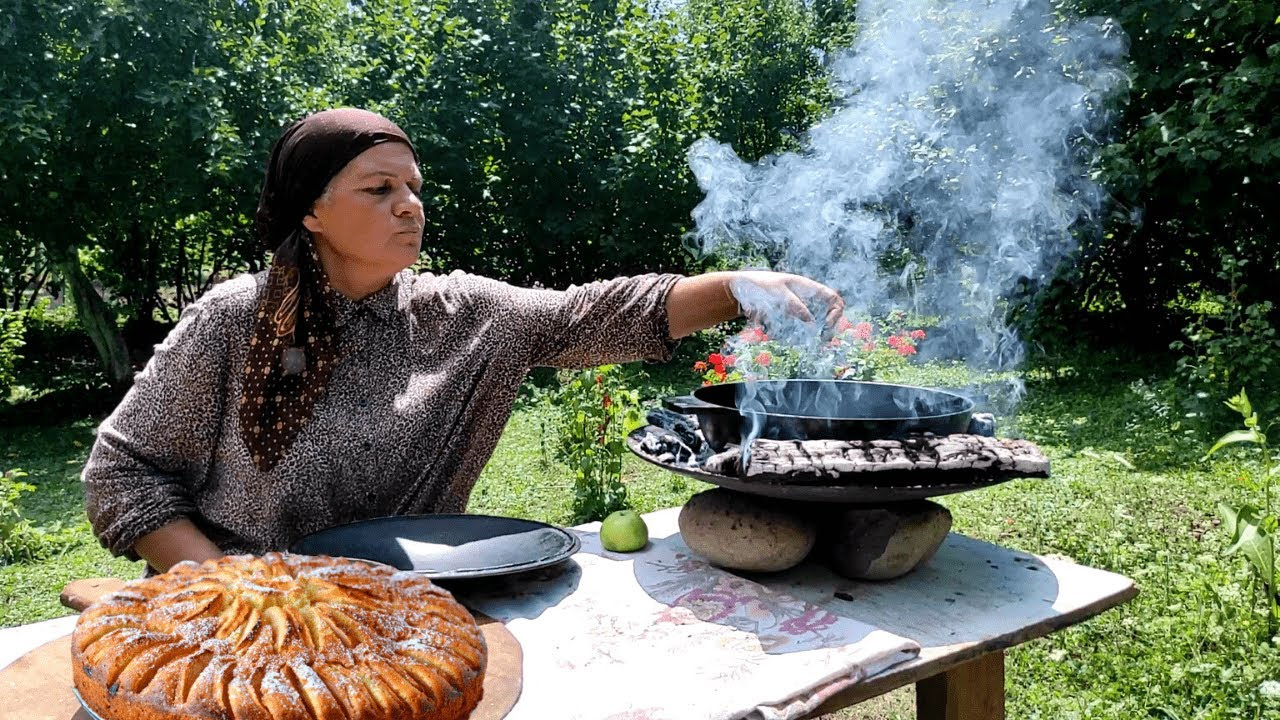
(553, 137)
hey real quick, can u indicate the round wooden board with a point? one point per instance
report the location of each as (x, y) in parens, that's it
(37, 686)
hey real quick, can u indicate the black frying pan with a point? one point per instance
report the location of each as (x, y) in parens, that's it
(821, 410)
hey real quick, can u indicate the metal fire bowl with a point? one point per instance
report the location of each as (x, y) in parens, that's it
(889, 487)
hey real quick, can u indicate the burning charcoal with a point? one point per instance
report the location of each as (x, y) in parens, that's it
(728, 462)
(983, 424)
(651, 444)
(812, 460)
(666, 447)
(679, 424)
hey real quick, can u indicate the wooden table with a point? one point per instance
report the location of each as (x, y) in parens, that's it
(969, 604)
(964, 608)
(972, 601)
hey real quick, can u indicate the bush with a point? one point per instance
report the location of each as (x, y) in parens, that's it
(19, 539)
(593, 412)
(11, 332)
(54, 333)
(1195, 161)
(867, 350)
(1230, 339)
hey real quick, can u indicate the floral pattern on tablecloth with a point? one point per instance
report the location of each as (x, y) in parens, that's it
(662, 635)
(781, 622)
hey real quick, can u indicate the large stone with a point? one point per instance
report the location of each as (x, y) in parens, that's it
(880, 543)
(738, 531)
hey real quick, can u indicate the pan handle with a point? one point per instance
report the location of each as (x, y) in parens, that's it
(688, 404)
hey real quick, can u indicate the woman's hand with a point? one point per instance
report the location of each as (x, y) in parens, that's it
(703, 301)
(765, 296)
(179, 540)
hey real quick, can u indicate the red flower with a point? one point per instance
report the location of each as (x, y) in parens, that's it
(862, 331)
(699, 366)
(868, 347)
(763, 359)
(843, 324)
(905, 350)
(715, 359)
(729, 360)
(917, 335)
(895, 341)
(705, 383)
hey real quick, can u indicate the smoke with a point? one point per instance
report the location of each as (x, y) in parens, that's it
(955, 172)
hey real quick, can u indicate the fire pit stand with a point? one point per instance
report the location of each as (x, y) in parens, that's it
(894, 487)
(861, 505)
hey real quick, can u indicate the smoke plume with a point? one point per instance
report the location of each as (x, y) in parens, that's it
(955, 171)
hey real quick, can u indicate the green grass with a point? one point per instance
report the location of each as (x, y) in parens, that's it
(53, 454)
(1128, 494)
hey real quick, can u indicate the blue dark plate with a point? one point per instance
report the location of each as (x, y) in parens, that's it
(447, 547)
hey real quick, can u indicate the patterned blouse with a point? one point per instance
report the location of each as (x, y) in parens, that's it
(427, 375)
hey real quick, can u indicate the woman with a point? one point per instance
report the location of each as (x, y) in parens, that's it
(338, 385)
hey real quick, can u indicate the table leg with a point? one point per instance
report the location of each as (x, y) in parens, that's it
(972, 691)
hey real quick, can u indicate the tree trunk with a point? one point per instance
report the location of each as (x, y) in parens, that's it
(41, 278)
(96, 318)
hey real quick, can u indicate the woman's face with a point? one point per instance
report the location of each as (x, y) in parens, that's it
(368, 222)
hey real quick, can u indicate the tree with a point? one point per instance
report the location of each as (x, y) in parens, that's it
(133, 135)
(1196, 160)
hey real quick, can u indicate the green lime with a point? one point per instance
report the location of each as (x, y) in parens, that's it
(624, 531)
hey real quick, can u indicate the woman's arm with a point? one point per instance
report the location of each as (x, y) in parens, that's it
(631, 318)
(157, 446)
(179, 540)
(702, 301)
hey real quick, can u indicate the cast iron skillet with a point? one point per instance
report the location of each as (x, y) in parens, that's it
(821, 410)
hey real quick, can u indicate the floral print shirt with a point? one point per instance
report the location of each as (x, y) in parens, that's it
(427, 376)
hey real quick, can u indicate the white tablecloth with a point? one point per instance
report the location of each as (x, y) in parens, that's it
(661, 635)
(18, 641)
(652, 635)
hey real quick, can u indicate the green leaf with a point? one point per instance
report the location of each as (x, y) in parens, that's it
(1236, 436)
(1240, 403)
(1230, 518)
(1245, 526)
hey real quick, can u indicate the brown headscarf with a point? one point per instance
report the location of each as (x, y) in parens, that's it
(294, 344)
